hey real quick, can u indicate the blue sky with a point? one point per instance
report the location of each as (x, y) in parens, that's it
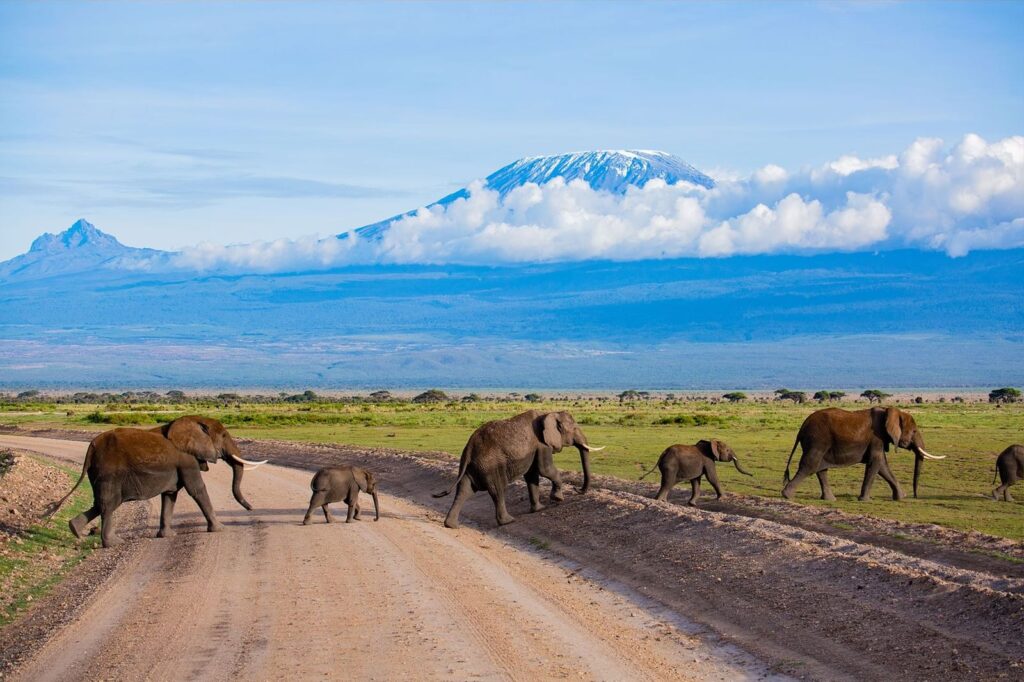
(168, 124)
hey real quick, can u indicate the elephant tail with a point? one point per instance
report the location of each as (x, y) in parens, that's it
(649, 472)
(52, 508)
(786, 478)
(463, 465)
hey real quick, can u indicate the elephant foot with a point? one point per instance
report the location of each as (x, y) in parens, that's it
(77, 527)
(864, 498)
(112, 541)
(898, 497)
(505, 520)
(536, 508)
(557, 496)
(691, 503)
(451, 523)
(787, 494)
(828, 497)
(215, 527)
(165, 533)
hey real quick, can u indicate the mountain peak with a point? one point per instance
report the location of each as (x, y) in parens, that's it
(81, 234)
(608, 170)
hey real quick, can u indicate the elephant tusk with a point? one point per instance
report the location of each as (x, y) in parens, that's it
(246, 464)
(590, 449)
(925, 454)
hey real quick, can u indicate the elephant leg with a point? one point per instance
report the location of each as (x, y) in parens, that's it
(462, 493)
(497, 493)
(359, 510)
(532, 478)
(668, 481)
(167, 501)
(196, 489)
(327, 513)
(826, 489)
(548, 470)
(111, 500)
(874, 464)
(886, 473)
(317, 500)
(1006, 493)
(695, 492)
(79, 523)
(809, 464)
(712, 475)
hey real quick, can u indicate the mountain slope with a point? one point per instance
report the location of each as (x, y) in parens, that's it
(79, 248)
(607, 170)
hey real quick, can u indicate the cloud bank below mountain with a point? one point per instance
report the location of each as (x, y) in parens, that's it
(931, 196)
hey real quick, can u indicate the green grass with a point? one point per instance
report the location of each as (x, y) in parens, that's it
(954, 492)
(30, 577)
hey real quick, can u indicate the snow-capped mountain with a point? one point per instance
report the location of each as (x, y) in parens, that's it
(79, 248)
(606, 170)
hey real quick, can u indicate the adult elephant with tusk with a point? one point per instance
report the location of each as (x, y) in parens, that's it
(835, 438)
(523, 445)
(137, 464)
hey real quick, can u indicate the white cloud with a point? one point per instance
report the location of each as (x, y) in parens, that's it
(969, 196)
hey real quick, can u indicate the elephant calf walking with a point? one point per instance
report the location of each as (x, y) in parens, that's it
(334, 484)
(1010, 467)
(689, 463)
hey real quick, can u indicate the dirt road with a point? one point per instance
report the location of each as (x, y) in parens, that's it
(400, 599)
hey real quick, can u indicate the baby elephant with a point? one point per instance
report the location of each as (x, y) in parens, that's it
(1010, 465)
(689, 463)
(334, 484)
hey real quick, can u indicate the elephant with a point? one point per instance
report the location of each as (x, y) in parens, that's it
(689, 463)
(334, 484)
(1010, 467)
(137, 464)
(834, 437)
(522, 445)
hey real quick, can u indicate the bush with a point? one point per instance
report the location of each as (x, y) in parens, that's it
(532, 398)
(874, 395)
(691, 420)
(1004, 395)
(432, 396)
(119, 419)
(735, 396)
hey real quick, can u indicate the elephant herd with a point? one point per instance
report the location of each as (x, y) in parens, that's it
(135, 464)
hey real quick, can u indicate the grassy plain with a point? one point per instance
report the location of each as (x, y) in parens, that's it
(954, 492)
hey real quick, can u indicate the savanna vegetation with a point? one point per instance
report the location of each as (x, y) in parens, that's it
(635, 426)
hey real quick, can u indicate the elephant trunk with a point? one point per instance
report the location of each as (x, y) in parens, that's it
(736, 462)
(376, 505)
(917, 470)
(237, 469)
(585, 461)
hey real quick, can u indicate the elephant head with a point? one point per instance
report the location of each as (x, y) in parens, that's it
(207, 440)
(717, 450)
(560, 430)
(366, 483)
(901, 430)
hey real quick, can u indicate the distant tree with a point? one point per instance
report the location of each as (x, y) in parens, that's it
(735, 396)
(628, 395)
(1004, 395)
(304, 397)
(432, 396)
(532, 398)
(874, 395)
(795, 396)
(380, 396)
(919, 400)
(226, 397)
(175, 396)
(27, 395)
(836, 395)
(958, 399)
(822, 396)
(670, 396)
(471, 398)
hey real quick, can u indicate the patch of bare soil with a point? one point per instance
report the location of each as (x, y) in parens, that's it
(812, 601)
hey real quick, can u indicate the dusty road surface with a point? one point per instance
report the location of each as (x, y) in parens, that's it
(400, 599)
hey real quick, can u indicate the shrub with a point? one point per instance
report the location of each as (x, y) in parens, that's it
(1004, 395)
(432, 396)
(735, 396)
(532, 398)
(874, 395)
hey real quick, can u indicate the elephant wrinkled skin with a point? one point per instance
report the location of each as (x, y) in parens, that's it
(523, 445)
(334, 484)
(689, 463)
(834, 438)
(136, 464)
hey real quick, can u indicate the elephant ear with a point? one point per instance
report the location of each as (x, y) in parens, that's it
(551, 435)
(893, 426)
(709, 448)
(191, 436)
